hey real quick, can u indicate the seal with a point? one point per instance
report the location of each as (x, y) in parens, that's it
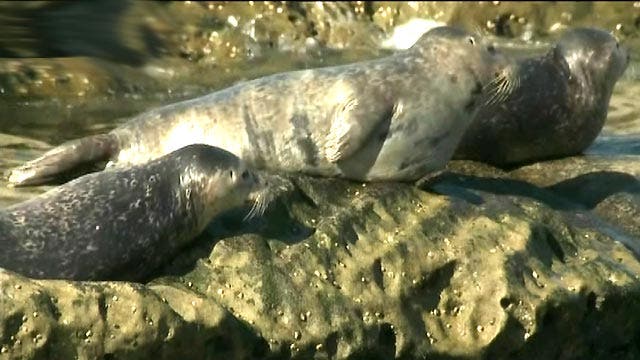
(121, 224)
(394, 118)
(557, 108)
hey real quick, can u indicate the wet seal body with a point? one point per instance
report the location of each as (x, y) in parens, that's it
(122, 224)
(394, 118)
(557, 108)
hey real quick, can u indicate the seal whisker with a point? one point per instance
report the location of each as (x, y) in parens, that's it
(260, 205)
(500, 87)
(493, 93)
(254, 209)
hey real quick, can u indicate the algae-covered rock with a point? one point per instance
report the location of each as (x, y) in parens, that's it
(464, 267)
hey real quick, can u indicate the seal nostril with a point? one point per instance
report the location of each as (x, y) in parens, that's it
(245, 175)
(491, 49)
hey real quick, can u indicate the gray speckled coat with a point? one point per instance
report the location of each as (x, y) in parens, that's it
(121, 224)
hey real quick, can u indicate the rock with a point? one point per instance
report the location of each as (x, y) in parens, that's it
(610, 186)
(466, 267)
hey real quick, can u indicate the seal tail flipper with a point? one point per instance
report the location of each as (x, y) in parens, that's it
(63, 159)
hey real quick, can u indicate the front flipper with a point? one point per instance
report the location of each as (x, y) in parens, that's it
(64, 158)
(353, 124)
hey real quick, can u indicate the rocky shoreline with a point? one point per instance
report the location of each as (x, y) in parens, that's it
(478, 262)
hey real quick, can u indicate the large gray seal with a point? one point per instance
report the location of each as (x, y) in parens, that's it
(556, 109)
(123, 223)
(395, 118)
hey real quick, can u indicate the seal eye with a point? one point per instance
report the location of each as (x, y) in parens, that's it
(245, 175)
(472, 41)
(231, 174)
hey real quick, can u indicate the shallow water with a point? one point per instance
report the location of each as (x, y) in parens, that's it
(27, 126)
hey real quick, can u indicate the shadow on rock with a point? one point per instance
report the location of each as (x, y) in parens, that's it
(463, 186)
(592, 188)
(276, 223)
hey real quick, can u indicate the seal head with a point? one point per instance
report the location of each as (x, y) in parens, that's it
(595, 60)
(556, 107)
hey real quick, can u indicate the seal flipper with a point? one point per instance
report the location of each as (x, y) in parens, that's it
(63, 159)
(349, 132)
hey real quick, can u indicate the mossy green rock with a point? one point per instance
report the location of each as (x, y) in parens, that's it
(338, 269)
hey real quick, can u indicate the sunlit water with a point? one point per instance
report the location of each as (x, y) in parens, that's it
(27, 127)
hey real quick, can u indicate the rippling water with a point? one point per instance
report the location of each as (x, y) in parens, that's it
(27, 127)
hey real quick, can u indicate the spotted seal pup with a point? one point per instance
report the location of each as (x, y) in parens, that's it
(395, 118)
(556, 109)
(122, 224)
